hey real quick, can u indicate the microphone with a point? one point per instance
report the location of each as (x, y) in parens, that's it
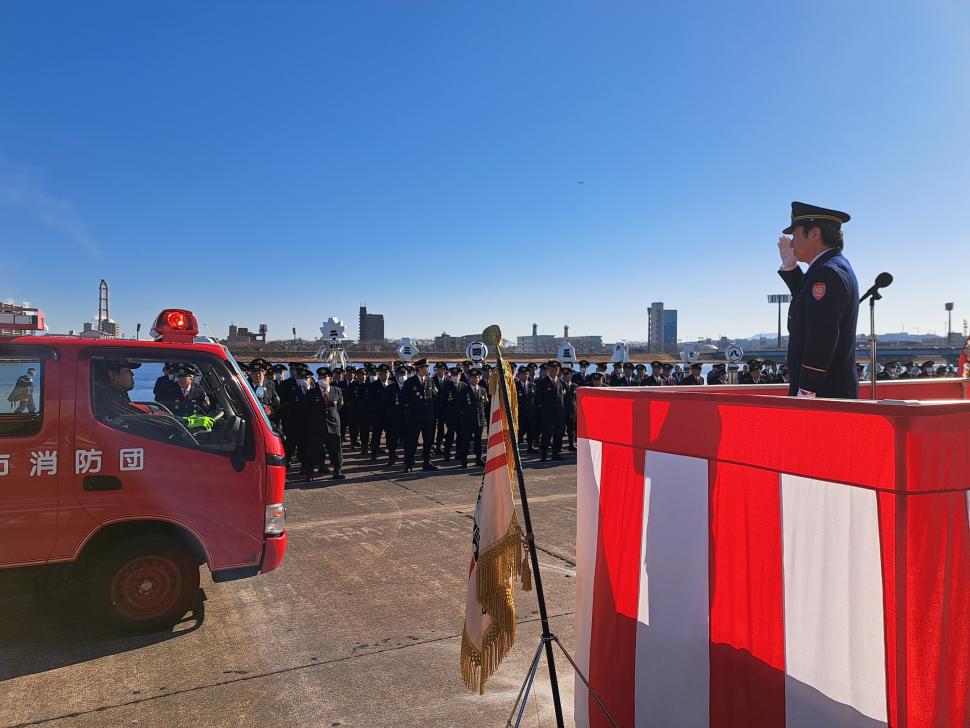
(882, 281)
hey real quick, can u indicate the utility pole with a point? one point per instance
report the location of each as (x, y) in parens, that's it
(779, 298)
(949, 323)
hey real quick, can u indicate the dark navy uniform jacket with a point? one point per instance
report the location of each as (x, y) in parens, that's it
(822, 327)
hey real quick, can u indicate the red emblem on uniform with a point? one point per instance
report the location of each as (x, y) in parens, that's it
(818, 290)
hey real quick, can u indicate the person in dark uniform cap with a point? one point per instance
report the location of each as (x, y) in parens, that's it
(165, 387)
(190, 398)
(694, 378)
(595, 380)
(580, 377)
(551, 408)
(419, 396)
(824, 307)
(926, 370)
(320, 408)
(290, 393)
(447, 404)
(569, 400)
(889, 372)
(263, 388)
(656, 378)
(472, 406)
(440, 380)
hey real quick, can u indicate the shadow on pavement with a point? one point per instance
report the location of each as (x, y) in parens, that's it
(42, 631)
(360, 469)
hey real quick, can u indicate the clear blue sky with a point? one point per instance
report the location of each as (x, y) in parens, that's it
(281, 162)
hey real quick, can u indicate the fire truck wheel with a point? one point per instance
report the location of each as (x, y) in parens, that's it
(145, 584)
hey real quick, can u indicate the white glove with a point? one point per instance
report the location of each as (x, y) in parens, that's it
(786, 249)
(805, 394)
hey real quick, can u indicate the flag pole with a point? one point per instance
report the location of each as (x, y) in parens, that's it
(547, 636)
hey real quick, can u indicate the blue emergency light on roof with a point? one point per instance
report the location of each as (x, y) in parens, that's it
(175, 325)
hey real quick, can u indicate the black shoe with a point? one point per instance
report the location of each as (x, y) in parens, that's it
(308, 479)
(373, 458)
(532, 450)
(408, 468)
(391, 462)
(429, 466)
(447, 458)
(542, 458)
(324, 470)
(464, 463)
(339, 476)
(573, 448)
(557, 456)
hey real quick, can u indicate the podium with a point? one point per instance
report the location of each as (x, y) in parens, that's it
(759, 560)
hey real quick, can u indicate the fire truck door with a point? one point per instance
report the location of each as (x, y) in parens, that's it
(31, 463)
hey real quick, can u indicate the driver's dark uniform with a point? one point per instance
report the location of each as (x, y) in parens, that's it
(111, 402)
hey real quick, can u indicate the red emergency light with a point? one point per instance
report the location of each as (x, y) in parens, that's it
(175, 325)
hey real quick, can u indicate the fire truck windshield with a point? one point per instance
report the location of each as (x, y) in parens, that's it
(183, 398)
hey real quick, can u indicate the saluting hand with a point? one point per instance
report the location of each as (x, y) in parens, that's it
(786, 249)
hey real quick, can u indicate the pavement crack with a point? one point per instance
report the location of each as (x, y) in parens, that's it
(315, 662)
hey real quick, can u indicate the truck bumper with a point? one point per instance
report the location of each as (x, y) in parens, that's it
(273, 549)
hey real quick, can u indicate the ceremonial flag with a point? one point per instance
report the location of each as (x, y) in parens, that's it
(497, 553)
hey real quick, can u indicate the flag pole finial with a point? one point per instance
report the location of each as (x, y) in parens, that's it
(492, 335)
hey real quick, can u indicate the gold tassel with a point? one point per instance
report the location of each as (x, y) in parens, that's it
(496, 567)
(526, 569)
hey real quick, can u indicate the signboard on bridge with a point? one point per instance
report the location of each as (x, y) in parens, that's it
(734, 353)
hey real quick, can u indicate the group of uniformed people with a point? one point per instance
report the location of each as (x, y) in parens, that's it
(386, 408)
(912, 370)
(397, 406)
(403, 405)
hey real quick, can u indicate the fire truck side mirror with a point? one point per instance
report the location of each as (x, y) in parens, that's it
(238, 458)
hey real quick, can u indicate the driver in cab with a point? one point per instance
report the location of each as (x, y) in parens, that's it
(112, 382)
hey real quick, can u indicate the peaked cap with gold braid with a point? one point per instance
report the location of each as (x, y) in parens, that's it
(802, 214)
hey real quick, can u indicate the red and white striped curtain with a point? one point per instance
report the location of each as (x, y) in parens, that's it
(720, 593)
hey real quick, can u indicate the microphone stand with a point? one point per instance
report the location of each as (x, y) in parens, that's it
(874, 295)
(872, 342)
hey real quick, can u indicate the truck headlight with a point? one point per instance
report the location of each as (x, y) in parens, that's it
(275, 519)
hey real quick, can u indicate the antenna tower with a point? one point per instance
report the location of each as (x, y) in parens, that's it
(103, 313)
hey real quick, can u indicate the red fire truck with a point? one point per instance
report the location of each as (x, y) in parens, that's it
(106, 474)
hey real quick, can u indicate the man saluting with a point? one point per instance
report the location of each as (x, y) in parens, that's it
(824, 307)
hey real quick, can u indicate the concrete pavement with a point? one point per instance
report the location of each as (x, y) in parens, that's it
(359, 627)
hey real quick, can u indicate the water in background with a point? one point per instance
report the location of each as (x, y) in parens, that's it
(9, 373)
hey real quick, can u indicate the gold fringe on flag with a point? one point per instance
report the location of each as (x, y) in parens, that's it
(496, 568)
